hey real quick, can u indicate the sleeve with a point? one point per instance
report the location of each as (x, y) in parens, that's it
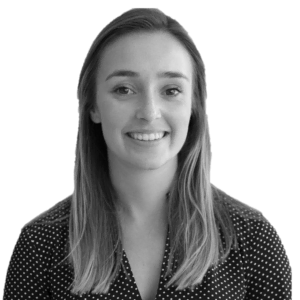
(26, 276)
(268, 266)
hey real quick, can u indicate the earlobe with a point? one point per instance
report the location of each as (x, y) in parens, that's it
(95, 116)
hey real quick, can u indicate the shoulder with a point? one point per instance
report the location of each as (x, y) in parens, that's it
(257, 237)
(250, 224)
(56, 215)
(259, 250)
(241, 215)
(41, 248)
(48, 231)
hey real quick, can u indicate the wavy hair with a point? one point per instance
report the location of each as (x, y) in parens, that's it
(195, 218)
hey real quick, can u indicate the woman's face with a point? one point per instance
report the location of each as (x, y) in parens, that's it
(144, 99)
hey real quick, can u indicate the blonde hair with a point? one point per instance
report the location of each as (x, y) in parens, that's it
(195, 218)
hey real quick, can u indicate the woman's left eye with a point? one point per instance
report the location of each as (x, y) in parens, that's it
(173, 92)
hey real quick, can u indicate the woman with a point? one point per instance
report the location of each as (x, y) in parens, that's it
(144, 221)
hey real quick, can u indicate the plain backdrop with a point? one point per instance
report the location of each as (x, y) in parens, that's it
(252, 57)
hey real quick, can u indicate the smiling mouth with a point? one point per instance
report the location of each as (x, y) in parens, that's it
(147, 137)
(144, 140)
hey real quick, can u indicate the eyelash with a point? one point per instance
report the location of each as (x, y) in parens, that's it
(116, 90)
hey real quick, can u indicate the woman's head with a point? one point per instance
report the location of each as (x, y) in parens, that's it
(143, 100)
(125, 43)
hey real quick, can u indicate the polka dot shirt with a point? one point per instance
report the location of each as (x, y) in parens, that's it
(257, 269)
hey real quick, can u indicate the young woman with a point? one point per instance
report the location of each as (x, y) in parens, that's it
(144, 221)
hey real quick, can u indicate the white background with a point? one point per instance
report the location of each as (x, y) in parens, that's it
(252, 57)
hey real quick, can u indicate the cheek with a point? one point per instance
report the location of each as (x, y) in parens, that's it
(184, 114)
(113, 119)
(108, 113)
(181, 122)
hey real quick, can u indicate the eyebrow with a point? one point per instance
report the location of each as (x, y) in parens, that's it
(128, 73)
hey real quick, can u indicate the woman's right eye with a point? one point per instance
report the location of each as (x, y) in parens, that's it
(123, 90)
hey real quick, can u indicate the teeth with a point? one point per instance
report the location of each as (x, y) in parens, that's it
(147, 137)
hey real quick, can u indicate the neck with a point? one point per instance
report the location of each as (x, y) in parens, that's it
(142, 193)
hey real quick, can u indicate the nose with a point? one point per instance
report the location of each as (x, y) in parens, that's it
(149, 109)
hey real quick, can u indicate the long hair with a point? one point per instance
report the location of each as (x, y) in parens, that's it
(195, 219)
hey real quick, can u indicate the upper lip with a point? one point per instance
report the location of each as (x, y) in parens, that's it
(146, 131)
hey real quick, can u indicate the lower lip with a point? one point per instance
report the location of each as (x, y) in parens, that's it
(147, 143)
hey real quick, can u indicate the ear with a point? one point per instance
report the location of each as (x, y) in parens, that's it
(95, 116)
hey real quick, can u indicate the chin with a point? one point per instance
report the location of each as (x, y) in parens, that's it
(153, 164)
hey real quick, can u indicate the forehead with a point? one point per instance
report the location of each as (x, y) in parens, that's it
(147, 53)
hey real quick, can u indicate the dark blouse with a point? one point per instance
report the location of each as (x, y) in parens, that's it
(257, 269)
